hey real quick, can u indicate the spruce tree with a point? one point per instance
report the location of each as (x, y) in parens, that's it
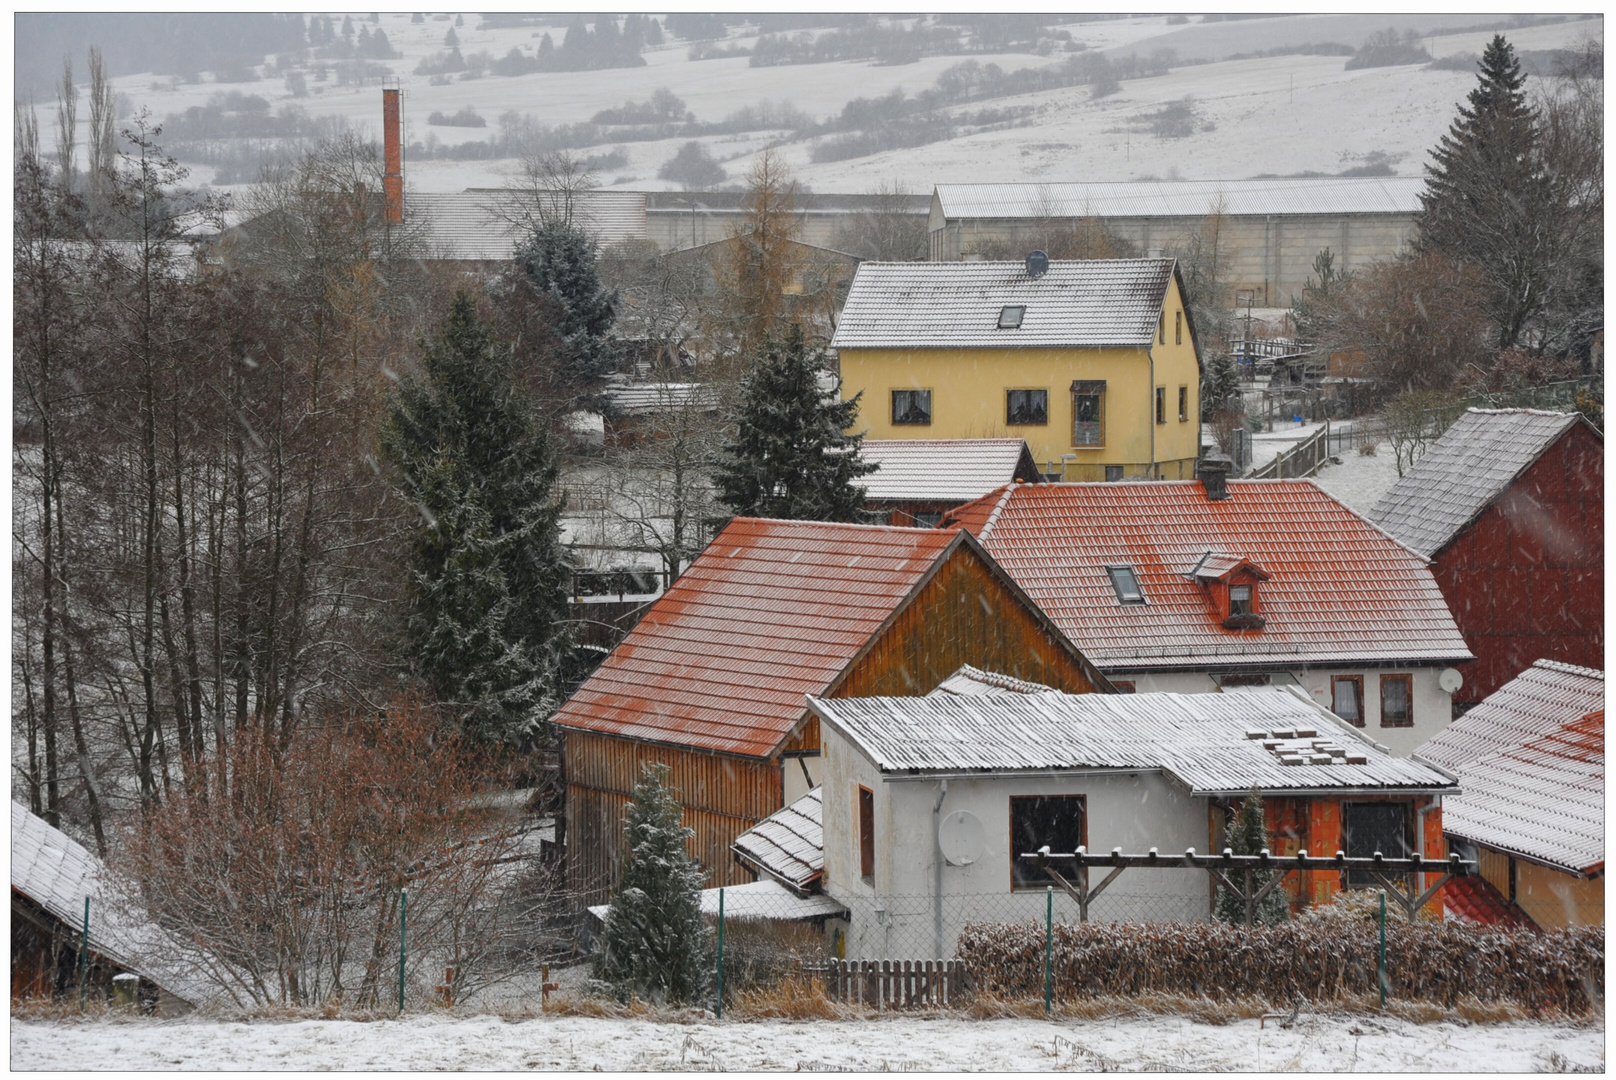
(791, 456)
(487, 577)
(1485, 202)
(1249, 836)
(572, 311)
(655, 944)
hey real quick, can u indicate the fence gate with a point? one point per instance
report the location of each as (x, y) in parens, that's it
(897, 984)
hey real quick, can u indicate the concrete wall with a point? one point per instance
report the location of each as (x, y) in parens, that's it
(1433, 709)
(1270, 255)
(1132, 811)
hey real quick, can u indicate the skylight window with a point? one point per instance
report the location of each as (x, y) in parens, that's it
(1010, 316)
(1126, 584)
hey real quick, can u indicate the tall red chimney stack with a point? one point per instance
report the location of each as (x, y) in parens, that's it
(393, 149)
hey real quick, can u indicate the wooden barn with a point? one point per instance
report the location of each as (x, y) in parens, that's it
(1509, 506)
(713, 681)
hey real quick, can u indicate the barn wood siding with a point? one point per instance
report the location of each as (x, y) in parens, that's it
(963, 615)
(1526, 581)
(723, 796)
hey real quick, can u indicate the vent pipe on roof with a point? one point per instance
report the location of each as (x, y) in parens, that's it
(1213, 472)
(393, 156)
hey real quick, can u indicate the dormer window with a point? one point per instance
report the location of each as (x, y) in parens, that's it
(1232, 583)
(1010, 316)
(1126, 585)
(1240, 597)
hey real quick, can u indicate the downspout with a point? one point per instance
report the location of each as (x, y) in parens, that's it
(937, 871)
(1150, 404)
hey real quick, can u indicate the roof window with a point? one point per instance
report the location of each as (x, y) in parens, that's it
(1126, 584)
(1010, 316)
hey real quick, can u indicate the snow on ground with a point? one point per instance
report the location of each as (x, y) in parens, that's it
(923, 1044)
(1268, 445)
(1360, 481)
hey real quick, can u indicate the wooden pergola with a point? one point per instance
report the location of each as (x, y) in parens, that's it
(1071, 872)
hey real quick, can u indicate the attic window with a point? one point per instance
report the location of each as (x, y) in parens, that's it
(1010, 316)
(1240, 600)
(1126, 585)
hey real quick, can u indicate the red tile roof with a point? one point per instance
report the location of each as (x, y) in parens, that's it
(1339, 591)
(1472, 899)
(770, 612)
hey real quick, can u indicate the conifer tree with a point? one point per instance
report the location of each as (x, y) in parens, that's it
(557, 282)
(791, 457)
(1249, 836)
(1485, 203)
(487, 576)
(655, 943)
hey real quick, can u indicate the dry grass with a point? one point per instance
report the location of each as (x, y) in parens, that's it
(789, 999)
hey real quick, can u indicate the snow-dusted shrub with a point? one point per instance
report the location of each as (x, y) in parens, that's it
(1313, 960)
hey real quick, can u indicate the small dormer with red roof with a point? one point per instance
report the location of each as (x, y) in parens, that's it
(1233, 586)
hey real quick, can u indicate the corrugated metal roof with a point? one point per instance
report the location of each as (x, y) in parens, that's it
(1339, 589)
(1539, 700)
(1543, 799)
(1183, 198)
(1473, 463)
(1215, 744)
(789, 844)
(971, 681)
(58, 873)
(468, 225)
(943, 470)
(1079, 303)
(769, 612)
(643, 397)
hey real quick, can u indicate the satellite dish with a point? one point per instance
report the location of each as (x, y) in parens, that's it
(1450, 680)
(961, 838)
(1037, 264)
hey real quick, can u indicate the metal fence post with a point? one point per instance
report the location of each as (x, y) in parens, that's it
(403, 921)
(1382, 965)
(1049, 938)
(84, 955)
(718, 1012)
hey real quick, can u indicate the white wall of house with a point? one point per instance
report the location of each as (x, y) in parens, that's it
(1433, 708)
(1133, 811)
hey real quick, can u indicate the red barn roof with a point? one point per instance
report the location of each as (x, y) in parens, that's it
(1338, 589)
(770, 612)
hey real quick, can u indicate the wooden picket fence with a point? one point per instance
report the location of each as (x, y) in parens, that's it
(897, 984)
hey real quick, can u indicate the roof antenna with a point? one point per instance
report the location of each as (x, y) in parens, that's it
(1037, 264)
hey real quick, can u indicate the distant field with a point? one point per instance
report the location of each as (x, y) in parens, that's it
(1286, 114)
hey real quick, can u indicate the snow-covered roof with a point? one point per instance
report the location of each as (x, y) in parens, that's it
(469, 225)
(789, 844)
(1542, 800)
(1472, 464)
(762, 899)
(943, 470)
(1183, 198)
(58, 873)
(1214, 744)
(971, 681)
(1078, 303)
(640, 398)
(1536, 702)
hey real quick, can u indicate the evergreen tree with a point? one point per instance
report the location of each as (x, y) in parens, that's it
(487, 576)
(655, 943)
(1484, 200)
(1249, 836)
(791, 457)
(559, 282)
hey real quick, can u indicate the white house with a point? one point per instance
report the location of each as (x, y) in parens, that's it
(928, 802)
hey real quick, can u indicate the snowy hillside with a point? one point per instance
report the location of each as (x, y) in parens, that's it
(1282, 114)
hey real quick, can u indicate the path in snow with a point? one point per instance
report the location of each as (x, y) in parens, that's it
(1368, 1044)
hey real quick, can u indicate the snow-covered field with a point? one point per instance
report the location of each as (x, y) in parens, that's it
(922, 1044)
(1360, 481)
(1274, 115)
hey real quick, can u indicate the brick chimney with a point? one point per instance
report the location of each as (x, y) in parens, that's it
(1213, 472)
(393, 149)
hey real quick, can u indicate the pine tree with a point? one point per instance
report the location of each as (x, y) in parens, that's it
(655, 942)
(791, 457)
(1249, 836)
(1485, 201)
(487, 575)
(556, 266)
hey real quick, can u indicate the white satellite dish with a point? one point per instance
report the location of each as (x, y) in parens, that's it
(961, 838)
(1449, 680)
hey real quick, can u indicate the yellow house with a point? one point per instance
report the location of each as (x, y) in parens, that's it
(1093, 361)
